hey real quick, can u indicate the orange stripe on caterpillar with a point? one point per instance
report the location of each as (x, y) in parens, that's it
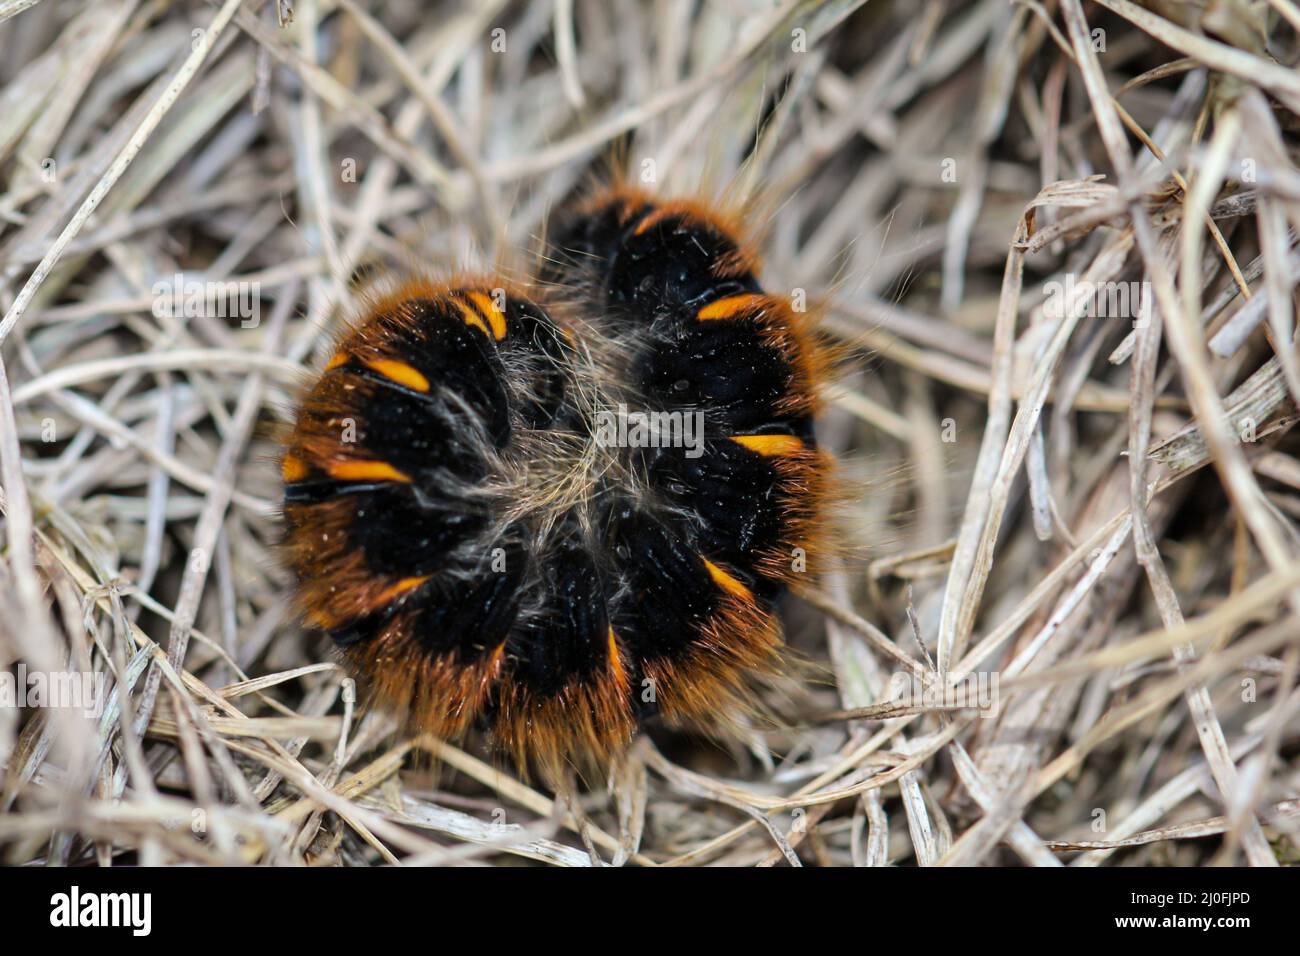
(337, 359)
(293, 469)
(648, 223)
(615, 662)
(770, 445)
(401, 587)
(491, 313)
(729, 306)
(473, 318)
(366, 471)
(632, 202)
(401, 373)
(320, 619)
(725, 581)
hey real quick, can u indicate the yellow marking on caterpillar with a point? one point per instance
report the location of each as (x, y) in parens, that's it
(293, 469)
(320, 620)
(337, 359)
(491, 313)
(366, 471)
(770, 445)
(725, 581)
(728, 306)
(648, 223)
(614, 661)
(401, 373)
(473, 318)
(401, 587)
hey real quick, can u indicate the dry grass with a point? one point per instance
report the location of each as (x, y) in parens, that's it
(1054, 497)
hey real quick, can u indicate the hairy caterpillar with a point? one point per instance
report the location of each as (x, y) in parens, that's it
(461, 523)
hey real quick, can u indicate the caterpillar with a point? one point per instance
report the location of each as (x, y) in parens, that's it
(487, 541)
